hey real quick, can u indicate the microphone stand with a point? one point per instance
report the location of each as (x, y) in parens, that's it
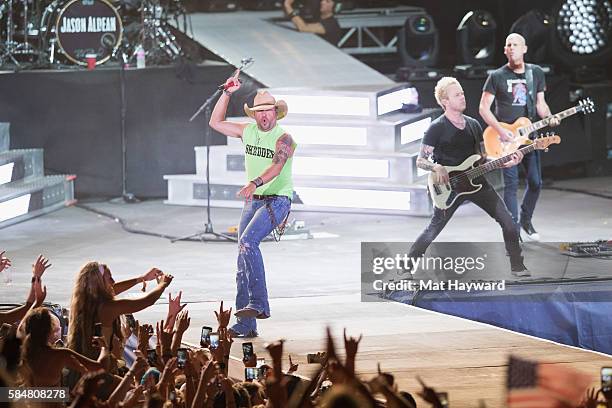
(208, 227)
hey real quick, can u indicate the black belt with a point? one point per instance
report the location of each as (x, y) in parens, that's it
(265, 197)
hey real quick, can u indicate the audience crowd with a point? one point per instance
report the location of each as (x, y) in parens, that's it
(107, 359)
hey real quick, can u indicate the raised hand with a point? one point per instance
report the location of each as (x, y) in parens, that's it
(153, 273)
(164, 337)
(233, 83)
(183, 321)
(165, 279)
(276, 350)
(40, 266)
(223, 316)
(351, 344)
(174, 307)
(4, 261)
(145, 332)
(292, 367)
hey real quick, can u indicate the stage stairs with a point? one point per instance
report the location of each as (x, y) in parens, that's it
(356, 153)
(25, 192)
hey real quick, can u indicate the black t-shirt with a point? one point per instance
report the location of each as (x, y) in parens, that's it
(451, 144)
(510, 90)
(332, 30)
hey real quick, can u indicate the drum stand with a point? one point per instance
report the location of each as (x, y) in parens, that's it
(11, 47)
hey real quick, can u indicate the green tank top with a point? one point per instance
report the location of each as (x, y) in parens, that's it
(259, 148)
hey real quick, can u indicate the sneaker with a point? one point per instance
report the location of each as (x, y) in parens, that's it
(530, 233)
(518, 268)
(247, 313)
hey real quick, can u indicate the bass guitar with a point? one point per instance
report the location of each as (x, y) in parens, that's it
(461, 177)
(523, 127)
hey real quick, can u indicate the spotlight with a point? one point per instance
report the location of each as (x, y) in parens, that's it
(582, 35)
(535, 26)
(476, 37)
(418, 46)
(418, 42)
(476, 42)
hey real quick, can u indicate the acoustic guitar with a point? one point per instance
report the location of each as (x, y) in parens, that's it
(523, 127)
(461, 177)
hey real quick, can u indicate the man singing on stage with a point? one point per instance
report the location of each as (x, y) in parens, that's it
(268, 193)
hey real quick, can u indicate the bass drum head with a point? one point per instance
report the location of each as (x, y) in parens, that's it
(88, 27)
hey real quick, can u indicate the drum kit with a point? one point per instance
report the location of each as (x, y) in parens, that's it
(43, 33)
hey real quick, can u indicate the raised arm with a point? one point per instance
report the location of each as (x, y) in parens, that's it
(109, 311)
(217, 118)
(122, 286)
(285, 146)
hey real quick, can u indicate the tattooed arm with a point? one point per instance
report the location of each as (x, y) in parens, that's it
(424, 161)
(284, 150)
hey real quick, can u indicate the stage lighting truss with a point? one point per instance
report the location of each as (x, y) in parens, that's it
(584, 27)
(476, 36)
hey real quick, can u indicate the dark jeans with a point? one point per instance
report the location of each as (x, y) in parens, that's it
(490, 202)
(531, 163)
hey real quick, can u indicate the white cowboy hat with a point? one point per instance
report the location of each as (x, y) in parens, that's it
(264, 101)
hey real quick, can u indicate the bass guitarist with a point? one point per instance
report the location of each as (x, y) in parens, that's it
(449, 140)
(513, 87)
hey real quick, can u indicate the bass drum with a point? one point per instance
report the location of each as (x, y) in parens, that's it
(87, 27)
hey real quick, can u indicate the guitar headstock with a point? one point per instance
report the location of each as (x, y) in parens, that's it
(586, 105)
(542, 142)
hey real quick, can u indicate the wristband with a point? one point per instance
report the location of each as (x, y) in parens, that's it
(257, 181)
(228, 93)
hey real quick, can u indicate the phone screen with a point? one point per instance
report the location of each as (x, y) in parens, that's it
(214, 340)
(606, 379)
(247, 351)
(98, 330)
(251, 373)
(260, 361)
(204, 337)
(181, 357)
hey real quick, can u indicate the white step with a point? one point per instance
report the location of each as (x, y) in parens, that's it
(371, 101)
(364, 197)
(25, 199)
(20, 164)
(227, 163)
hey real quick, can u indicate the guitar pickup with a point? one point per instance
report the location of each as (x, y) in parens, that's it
(437, 189)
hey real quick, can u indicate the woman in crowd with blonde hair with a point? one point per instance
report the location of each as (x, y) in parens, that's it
(93, 301)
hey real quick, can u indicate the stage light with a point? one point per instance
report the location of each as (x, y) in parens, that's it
(476, 38)
(584, 26)
(535, 26)
(418, 42)
(582, 36)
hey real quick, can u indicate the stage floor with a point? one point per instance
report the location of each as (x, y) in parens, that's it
(312, 283)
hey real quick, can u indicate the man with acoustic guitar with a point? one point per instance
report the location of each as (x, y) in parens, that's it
(518, 91)
(449, 141)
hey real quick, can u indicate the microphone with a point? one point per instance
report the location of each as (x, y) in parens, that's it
(244, 63)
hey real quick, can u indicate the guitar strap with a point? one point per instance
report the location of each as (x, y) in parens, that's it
(530, 91)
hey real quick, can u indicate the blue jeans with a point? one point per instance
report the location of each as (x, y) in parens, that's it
(255, 224)
(531, 163)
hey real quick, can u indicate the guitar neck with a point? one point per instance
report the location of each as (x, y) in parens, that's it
(498, 163)
(544, 122)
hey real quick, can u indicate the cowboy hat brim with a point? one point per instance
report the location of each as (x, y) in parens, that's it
(281, 109)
